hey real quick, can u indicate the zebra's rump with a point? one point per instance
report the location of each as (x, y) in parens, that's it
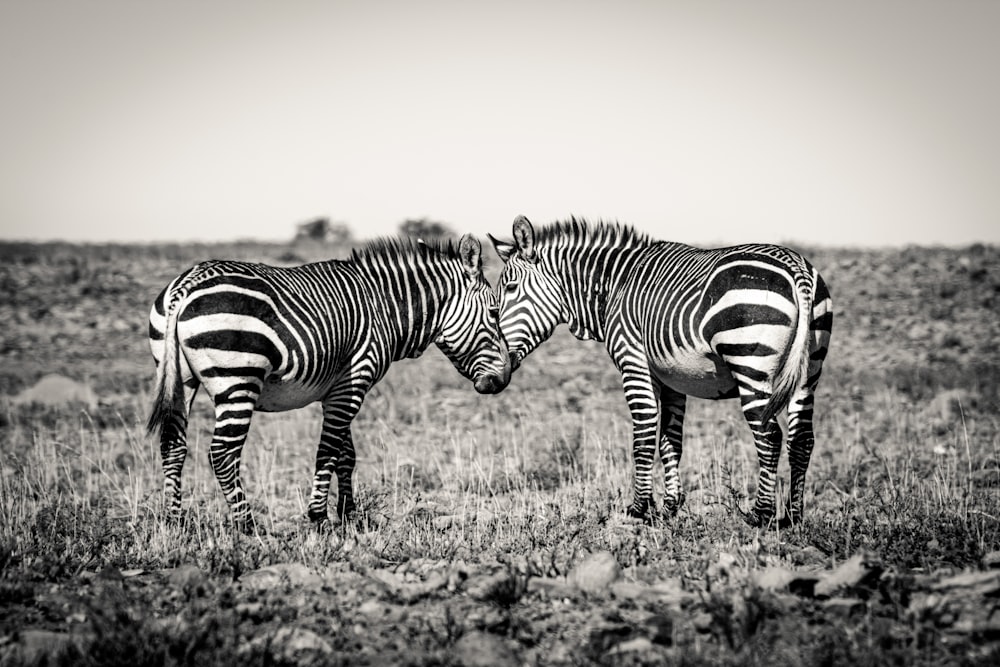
(282, 330)
(724, 323)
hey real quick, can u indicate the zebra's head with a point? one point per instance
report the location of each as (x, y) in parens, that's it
(531, 302)
(470, 336)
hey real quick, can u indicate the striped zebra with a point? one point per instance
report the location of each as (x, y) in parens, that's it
(264, 338)
(750, 321)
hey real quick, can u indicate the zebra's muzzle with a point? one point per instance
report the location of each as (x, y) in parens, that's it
(495, 382)
(490, 384)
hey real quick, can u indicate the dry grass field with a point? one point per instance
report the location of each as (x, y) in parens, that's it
(493, 527)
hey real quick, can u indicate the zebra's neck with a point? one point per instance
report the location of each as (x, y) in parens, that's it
(590, 277)
(411, 294)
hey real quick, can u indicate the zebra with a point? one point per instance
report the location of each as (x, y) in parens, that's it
(271, 339)
(748, 321)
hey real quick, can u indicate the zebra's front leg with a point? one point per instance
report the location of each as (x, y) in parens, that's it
(344, 467)
(336, 454)
(642, 404)
(232, 423)
(672, 405)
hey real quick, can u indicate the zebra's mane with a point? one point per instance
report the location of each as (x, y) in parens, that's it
(394, 251)
(577, 232)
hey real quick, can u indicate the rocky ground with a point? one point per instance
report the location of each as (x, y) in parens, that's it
(446, 612)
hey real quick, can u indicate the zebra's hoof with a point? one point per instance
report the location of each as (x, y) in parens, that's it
(352, 518)
(641, 514)
(248, 526)
(321, 524)
(672, 505)
(347, 512)
(756, 519)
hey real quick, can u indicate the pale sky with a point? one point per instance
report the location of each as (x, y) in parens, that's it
(855, 123)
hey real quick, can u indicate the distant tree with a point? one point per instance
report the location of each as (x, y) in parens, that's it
(321, 230)
(426, 230)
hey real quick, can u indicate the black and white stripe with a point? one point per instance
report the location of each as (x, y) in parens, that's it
(259, 337)
(751, 322)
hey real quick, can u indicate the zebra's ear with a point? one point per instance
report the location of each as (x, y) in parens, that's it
(503, 248)
(524, 238)
(471, 253)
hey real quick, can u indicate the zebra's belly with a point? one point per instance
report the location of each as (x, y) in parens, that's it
(279, 396)
(695, 374)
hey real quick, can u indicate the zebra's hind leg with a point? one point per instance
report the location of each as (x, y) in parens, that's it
(174, 450)
(800, 446)
(800, 408)
(800, 432)
(767, 438)
(233, 411)
(672, 405)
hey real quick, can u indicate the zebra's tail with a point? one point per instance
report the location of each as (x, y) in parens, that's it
(795, 365)
(167, 390)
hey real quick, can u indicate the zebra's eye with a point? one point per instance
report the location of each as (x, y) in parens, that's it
(511, 288)
(495, 313)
